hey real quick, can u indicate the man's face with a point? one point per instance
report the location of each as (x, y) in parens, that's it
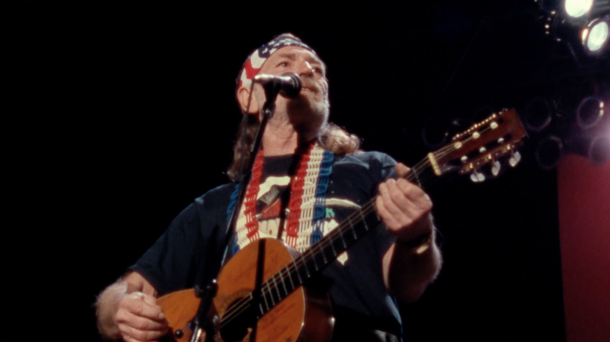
(311, 107)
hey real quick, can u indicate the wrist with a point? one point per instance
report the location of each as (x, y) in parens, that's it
(106, 308)
(420, 243)
(106, 324)
(417, 241)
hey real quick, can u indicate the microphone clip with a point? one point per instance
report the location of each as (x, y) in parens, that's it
(288, 84)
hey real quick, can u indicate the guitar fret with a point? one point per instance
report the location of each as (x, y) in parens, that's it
(296, 270)
(323, 256)
(352, 228)
(313, 260)
(284, 283)
(366, 227)
(333, 248)
(266, 303)
(270, 294)
(316, 259)
(290, 277)
(342, 239)
(279, 296)
(306, 270)
(301, 273)
(339, 245)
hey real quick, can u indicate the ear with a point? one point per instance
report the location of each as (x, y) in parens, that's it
(243, 95)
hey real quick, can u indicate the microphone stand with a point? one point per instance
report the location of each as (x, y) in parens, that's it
(208, 292)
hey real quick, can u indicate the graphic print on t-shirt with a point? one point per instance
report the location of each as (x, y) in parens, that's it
(269, 205)
(272, 197)
(272, 201)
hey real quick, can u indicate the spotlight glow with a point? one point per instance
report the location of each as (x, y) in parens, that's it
(599, 150)
(595, 35)
(577, 8)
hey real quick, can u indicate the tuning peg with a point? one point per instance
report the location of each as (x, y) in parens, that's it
(495, 168)
(477, 177)
(515, 158)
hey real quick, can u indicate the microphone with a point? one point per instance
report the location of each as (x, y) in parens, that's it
(289, 84)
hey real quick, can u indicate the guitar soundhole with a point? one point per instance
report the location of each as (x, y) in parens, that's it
(236, 322)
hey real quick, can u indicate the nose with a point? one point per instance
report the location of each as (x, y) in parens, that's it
(305, 69)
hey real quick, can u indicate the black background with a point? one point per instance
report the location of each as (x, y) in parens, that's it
(116, 115)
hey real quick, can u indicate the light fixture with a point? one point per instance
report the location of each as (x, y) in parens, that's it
(595, 35)
(596, 147)
(577, 8)
(599, 150)
(549, 151)
(537, 114)
(590, 112)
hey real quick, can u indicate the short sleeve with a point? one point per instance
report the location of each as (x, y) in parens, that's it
(188, 251)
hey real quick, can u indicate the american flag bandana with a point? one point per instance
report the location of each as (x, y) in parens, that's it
(255, 61)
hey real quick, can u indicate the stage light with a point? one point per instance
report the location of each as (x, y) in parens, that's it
(590, 112)
(592, 143)
(595, 147)
(548, 152)
(537, 114)
(599, 150)
(577, 8)
(595, 35)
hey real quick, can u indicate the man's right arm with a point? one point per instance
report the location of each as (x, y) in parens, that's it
(128, 309)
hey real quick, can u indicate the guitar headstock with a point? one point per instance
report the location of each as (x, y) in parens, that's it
(483, 143)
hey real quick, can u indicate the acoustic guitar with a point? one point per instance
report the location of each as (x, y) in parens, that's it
(288, 309)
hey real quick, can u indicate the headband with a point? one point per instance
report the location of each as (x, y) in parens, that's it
(256, 60)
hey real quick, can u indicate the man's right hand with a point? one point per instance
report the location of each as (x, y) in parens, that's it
(139, 318)
(128, 309)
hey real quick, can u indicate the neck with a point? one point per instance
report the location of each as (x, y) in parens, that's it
(281, 138)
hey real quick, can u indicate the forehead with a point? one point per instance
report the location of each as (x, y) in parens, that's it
(293, 53)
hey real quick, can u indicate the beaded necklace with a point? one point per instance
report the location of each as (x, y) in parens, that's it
(306, 207)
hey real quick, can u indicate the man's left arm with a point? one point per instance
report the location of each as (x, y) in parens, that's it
(413, 261)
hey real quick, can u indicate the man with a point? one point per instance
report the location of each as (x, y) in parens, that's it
(306, 180)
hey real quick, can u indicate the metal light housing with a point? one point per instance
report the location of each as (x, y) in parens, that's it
(595, 35)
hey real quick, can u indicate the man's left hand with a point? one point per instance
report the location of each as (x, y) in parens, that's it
(404, 207)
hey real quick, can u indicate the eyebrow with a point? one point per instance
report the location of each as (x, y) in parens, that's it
(292, 56)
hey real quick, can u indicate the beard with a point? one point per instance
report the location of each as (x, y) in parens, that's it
(308, 114)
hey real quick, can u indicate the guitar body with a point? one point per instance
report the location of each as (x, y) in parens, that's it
(303, 316)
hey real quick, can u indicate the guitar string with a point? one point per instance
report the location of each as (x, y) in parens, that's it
(243, 304)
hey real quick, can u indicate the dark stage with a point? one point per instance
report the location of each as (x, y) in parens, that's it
(118, 114)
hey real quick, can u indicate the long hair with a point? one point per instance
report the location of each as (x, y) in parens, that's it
(331, 137)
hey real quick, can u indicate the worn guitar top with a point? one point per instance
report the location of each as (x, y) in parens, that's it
(191, 245)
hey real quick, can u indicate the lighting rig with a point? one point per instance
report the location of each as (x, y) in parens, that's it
(574, 119)
(584, 23)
